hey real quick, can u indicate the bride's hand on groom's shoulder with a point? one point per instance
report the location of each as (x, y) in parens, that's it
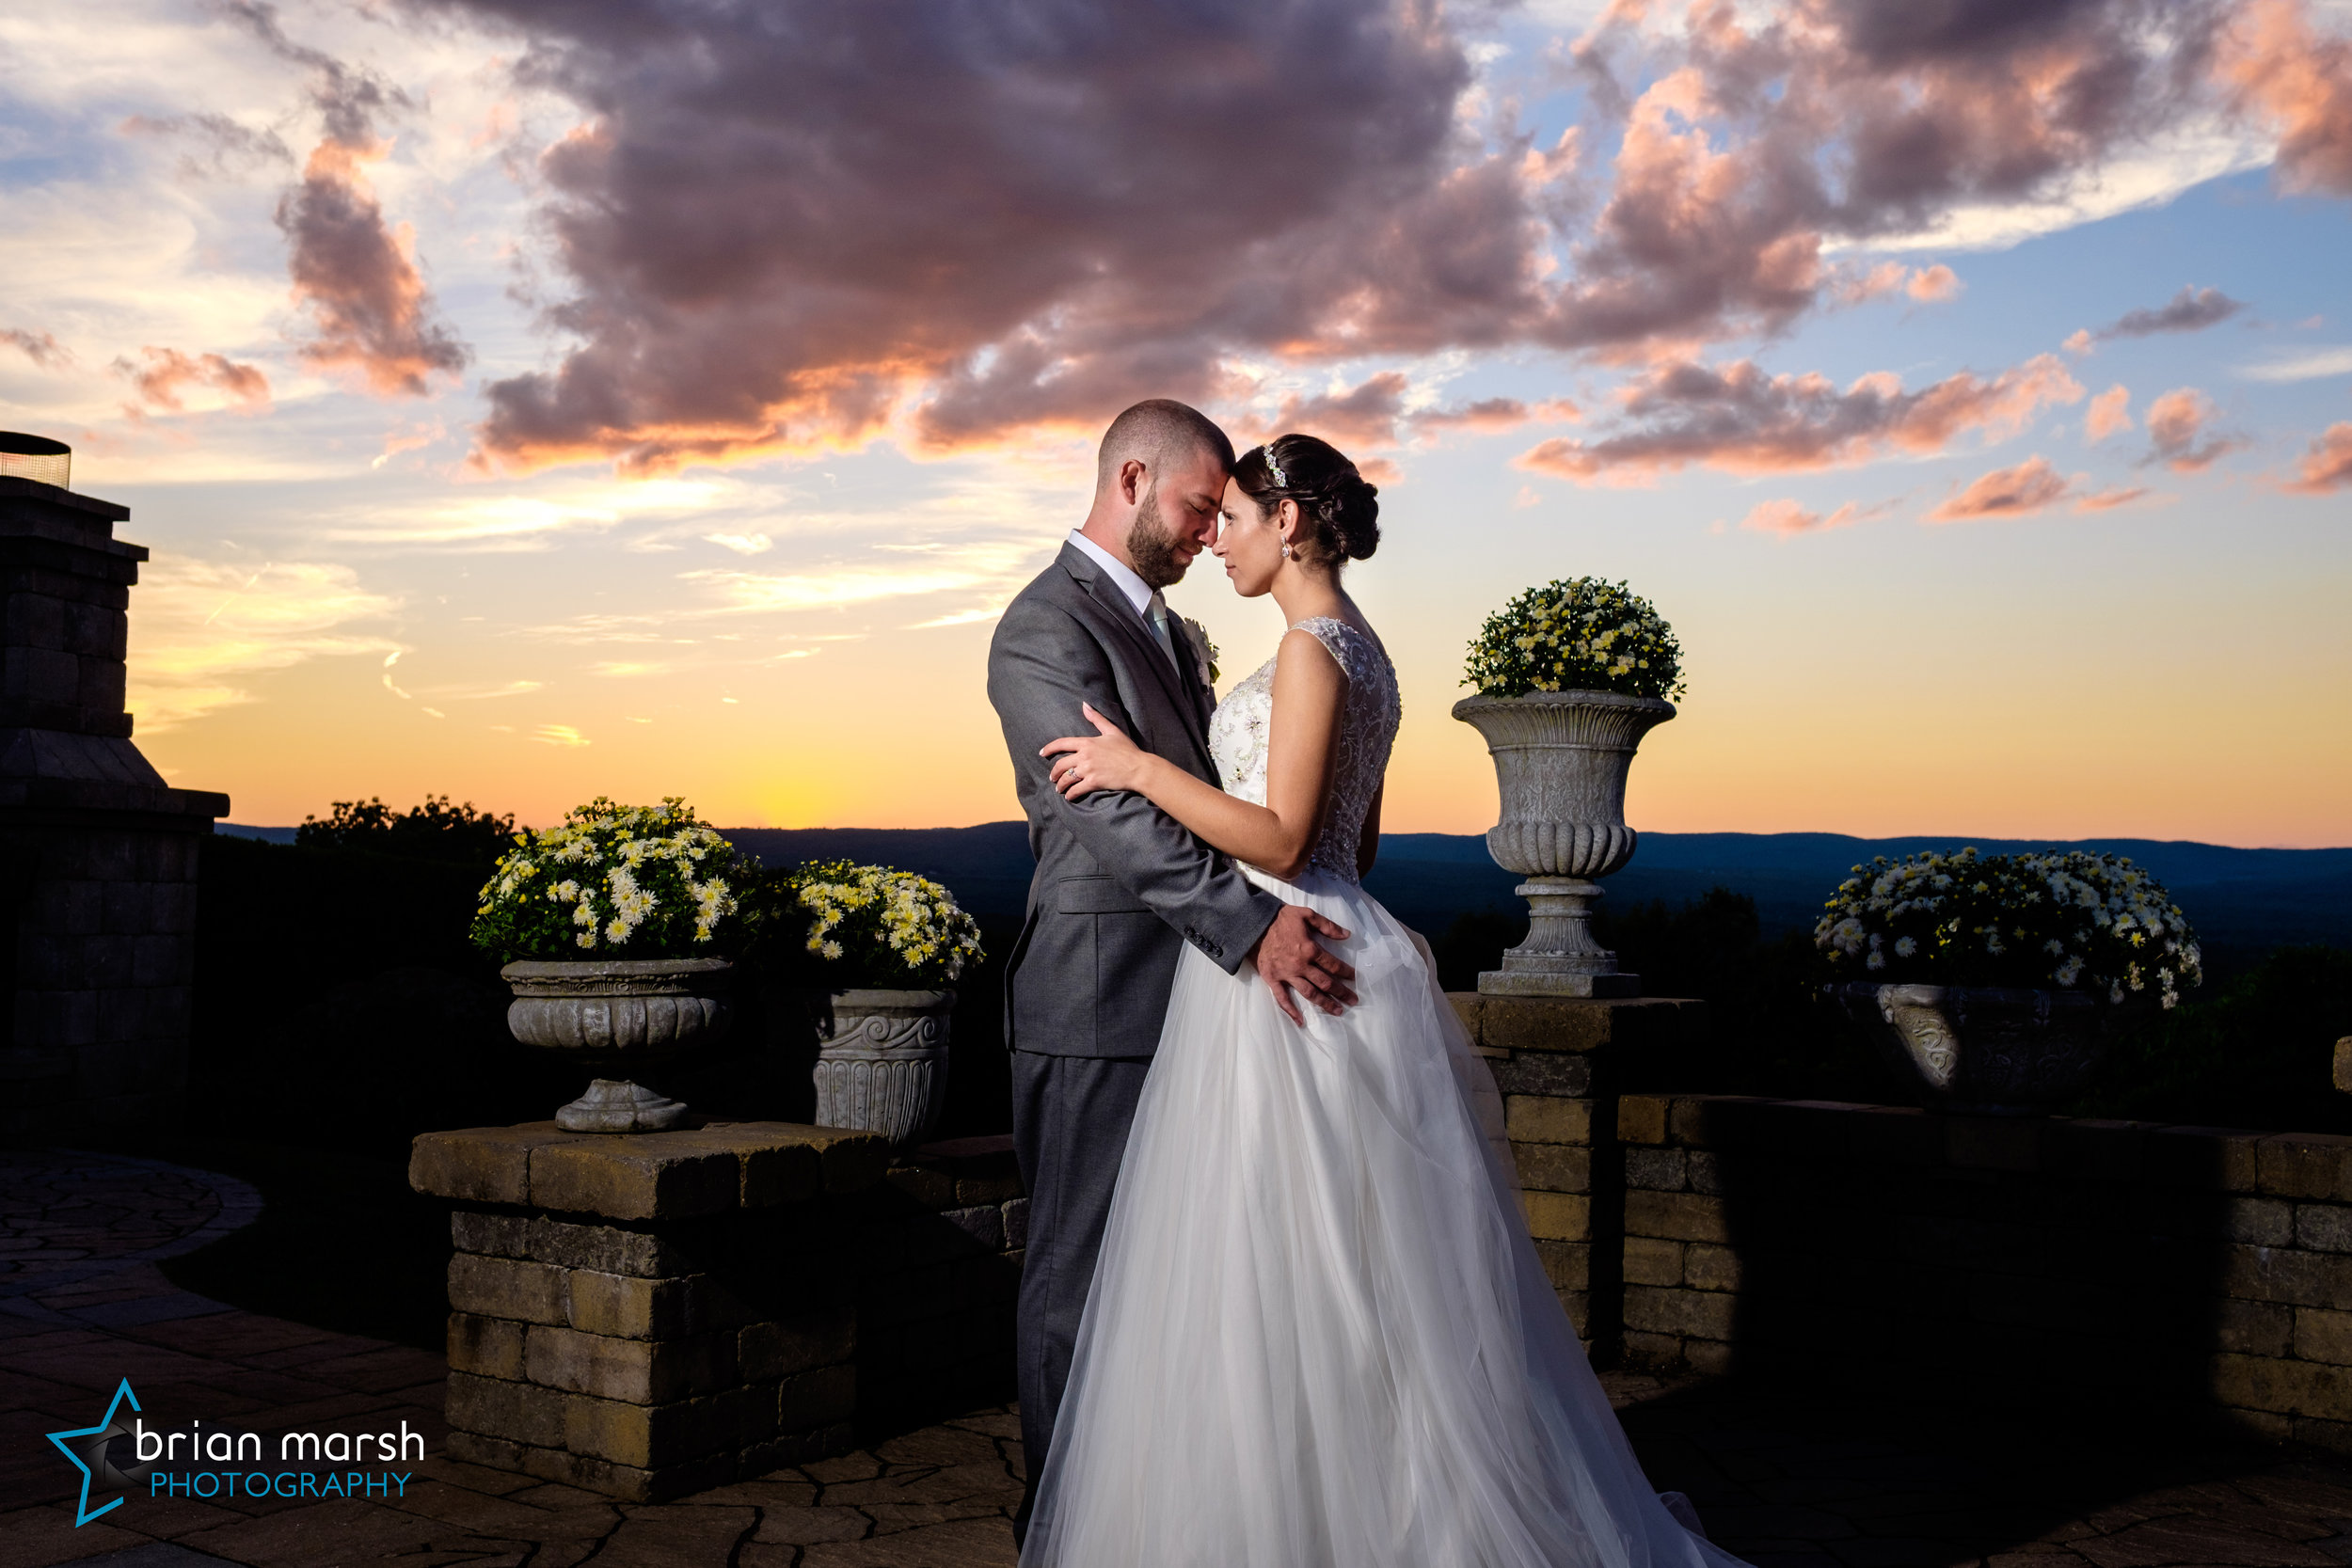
(1104, 760)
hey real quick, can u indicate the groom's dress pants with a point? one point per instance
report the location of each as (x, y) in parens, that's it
(1070, 1121)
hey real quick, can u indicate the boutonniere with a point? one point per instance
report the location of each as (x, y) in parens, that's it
(1203, 651)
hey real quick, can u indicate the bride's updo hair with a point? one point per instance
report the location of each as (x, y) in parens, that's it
(1341, 506)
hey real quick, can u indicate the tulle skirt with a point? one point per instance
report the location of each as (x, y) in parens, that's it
(1318, 1335)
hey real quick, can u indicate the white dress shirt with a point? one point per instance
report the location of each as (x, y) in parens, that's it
(1137, 591)
(1146, 600)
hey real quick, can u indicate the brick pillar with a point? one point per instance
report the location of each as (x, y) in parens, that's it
(1561, 1063)
(97, 853)
(650, 1314)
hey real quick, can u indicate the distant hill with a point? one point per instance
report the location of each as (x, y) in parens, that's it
(2254, 899)
(2240, 898)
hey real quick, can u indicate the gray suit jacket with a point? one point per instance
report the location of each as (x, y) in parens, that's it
(1119, 885)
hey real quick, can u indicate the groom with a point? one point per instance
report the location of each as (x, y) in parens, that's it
(1120, 887)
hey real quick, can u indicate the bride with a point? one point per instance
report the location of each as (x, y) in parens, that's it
(1318, 1335)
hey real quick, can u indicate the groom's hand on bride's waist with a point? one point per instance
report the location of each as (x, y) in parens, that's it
(1289, 959)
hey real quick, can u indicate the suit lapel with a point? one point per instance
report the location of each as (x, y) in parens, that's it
(1181, 688)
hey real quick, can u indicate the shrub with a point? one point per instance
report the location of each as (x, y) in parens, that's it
(613, 882)
(2070, 920)
(1581, 635)
(2255, 1051)
(435, 830)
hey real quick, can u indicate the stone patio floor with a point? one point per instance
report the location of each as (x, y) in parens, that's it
(1787, 1478)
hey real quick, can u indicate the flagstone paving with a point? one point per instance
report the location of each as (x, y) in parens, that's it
(1787, 1478)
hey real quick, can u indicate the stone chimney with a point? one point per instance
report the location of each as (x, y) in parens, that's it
(98, 855)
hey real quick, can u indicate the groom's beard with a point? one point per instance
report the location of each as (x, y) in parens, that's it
(1152, 546)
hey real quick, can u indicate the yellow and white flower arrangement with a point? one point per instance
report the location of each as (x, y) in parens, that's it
(876, 926)
(1580, 634)
(2072, 920)
(612, 881)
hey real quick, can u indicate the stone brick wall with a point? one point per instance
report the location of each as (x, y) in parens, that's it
(938, 1274)
(1556, 1062)
(2183, 1267)
(100, 956)
(97, 853)
(650, 1315)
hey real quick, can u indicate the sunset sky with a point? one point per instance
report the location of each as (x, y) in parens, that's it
(528, 400)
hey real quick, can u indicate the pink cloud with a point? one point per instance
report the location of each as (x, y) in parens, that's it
(2286, 73)
(2031, 487)
(2177, 423)
(2079, 342)
(1787, 518)
(357, 277)
(1374, 414)
(1365, 415)
(1490, 415)
(166, 372)
(1934, 285)
(2108, 501)
(40, 347)
(1925, 285)
(1741, 420)
(2109, 413)
(353, 272)
(2326, 466)
(808, 223)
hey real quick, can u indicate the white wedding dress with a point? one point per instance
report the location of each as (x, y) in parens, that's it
(1318, 1335)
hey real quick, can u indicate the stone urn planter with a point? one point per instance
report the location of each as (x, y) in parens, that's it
(621, 1015)
(882, 1061)
(1561, 759)
(1984, 1049)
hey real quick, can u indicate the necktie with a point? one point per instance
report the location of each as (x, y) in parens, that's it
(1158, 613)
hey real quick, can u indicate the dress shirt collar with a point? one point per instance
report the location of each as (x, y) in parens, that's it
(1138, 592)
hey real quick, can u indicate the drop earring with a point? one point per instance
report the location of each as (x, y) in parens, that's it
(1286, 550)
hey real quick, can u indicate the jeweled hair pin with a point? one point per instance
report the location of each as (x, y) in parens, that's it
(1273, 467)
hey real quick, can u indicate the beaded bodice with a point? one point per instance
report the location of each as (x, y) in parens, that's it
(1368, 720)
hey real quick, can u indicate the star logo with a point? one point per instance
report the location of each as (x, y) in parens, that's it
(88, 1447)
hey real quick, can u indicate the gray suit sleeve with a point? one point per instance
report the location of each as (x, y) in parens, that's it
(1043, 666)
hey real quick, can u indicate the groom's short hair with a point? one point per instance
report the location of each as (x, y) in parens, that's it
(1153, 431)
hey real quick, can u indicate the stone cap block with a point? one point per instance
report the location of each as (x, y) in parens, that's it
(959, 1173)
(1578, 1022)
(2306, 1164)
(647, 1176)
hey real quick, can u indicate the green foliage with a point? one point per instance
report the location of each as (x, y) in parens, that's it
(435, 830)
(613, 882)
(838, 925)
(2070, 920)
(2256, 1052)
(1579, 635)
